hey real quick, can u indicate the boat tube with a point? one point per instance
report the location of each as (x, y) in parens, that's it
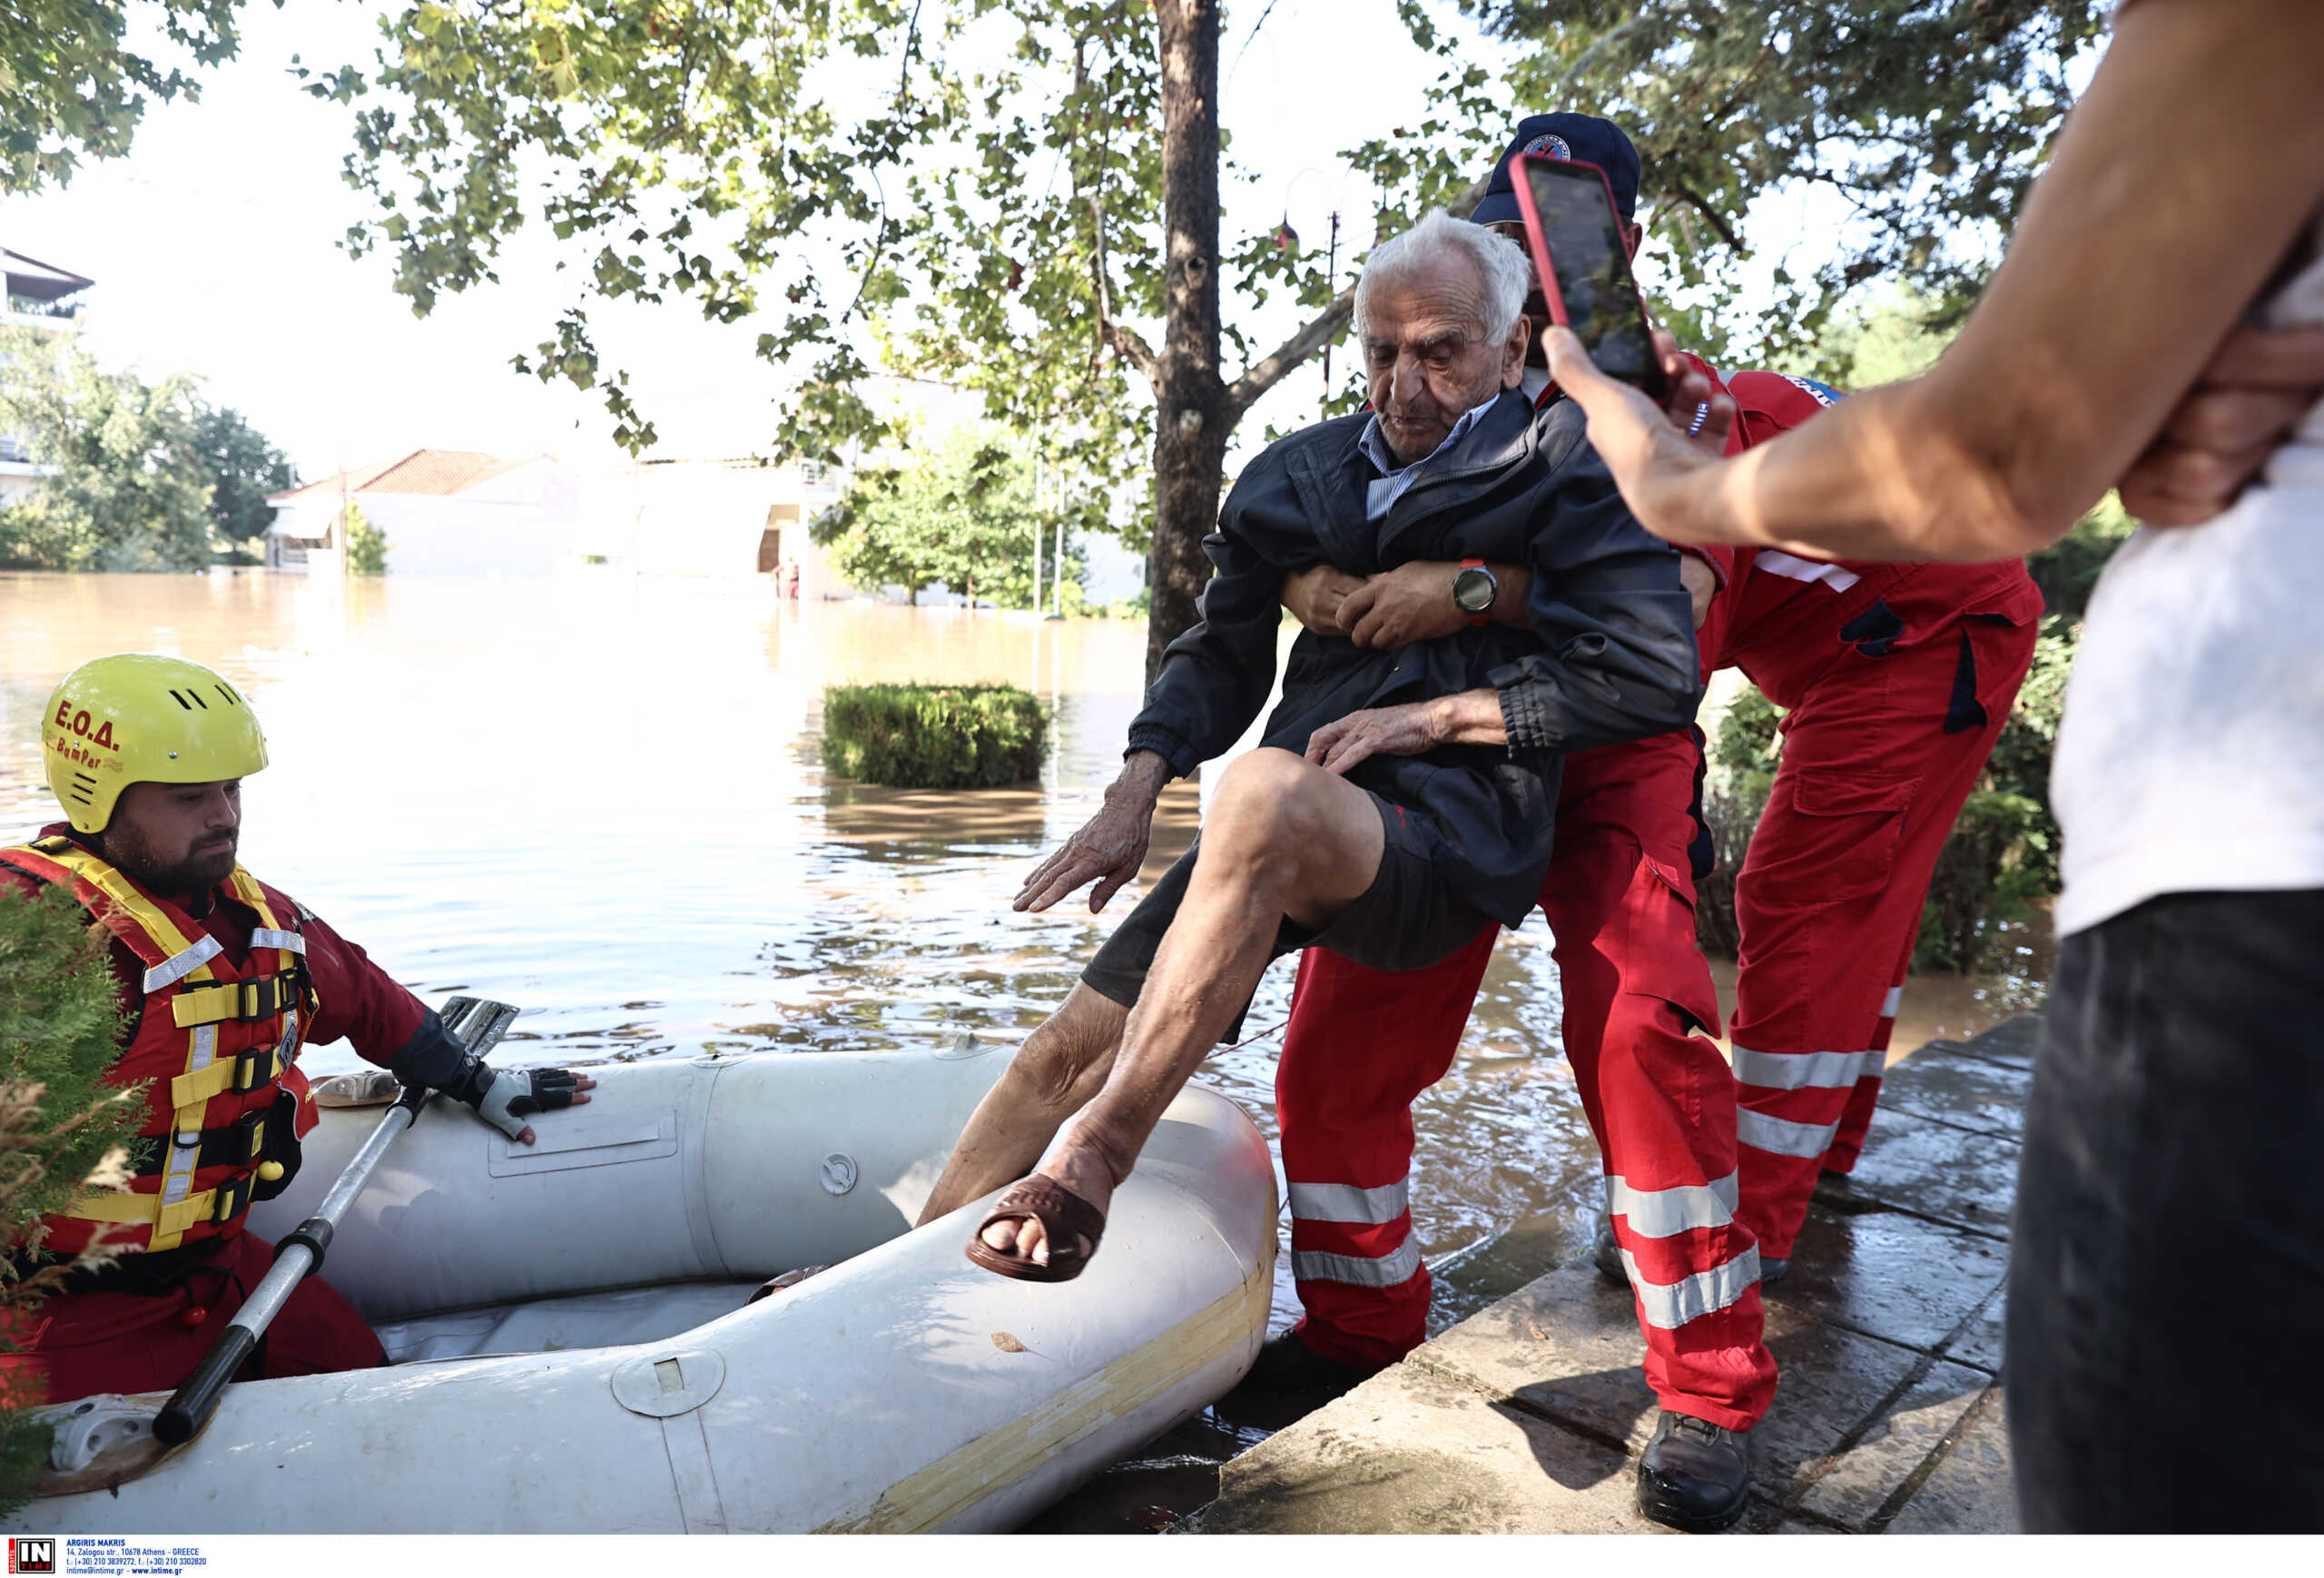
(570, 1349)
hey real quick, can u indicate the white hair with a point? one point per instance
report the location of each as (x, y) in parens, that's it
(1500, 264)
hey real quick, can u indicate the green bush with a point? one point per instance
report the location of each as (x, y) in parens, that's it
(61, 1133)
(934, 737)
(366, 545)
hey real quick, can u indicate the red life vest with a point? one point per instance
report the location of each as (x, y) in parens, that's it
(217, 1044)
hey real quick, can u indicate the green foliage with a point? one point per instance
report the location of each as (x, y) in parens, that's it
(964, 514)
(72, 87)
(62, 1131)
(130, 489)
(934, 737)
(366, 545)
(2067, 570)
(1928, 119)
(243, 468)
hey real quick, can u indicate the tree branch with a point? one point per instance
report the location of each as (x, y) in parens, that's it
(1696, 200)
(1126, 341)
(1269, 370)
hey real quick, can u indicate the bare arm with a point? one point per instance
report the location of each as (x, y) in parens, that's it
(2135, 257)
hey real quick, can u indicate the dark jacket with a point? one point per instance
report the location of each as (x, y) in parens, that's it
(1609, 654)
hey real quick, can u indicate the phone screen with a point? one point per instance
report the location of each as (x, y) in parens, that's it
(1583, 235)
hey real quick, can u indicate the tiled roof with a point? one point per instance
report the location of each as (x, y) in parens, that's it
(437, 472)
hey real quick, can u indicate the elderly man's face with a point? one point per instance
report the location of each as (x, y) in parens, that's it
(1426, 354)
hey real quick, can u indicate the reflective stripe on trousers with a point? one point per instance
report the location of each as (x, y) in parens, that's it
(1670, 1305)
(1399, 1265)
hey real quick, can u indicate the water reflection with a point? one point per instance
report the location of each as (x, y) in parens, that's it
(601, 796)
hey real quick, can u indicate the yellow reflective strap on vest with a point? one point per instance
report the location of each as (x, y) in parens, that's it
(262, 998)
(258, 1066)
(168, 1221)
(93, 869)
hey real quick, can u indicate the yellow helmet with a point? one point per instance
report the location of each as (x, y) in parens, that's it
(139, 718)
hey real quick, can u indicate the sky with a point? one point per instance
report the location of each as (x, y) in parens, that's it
(215, 249)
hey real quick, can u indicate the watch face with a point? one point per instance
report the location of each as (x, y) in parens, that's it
(1473, 589)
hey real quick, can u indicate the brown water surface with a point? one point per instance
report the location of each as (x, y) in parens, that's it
(601, 796)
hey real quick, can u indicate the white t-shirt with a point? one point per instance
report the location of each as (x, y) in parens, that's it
(2192, 756)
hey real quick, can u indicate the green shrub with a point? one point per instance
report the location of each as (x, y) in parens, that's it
(60, 1133)
(934, 737)
(366, 545)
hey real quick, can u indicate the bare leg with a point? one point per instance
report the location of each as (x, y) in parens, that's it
(1060, 1066)
(1282, 838)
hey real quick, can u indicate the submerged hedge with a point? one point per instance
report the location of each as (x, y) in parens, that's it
(934, 737)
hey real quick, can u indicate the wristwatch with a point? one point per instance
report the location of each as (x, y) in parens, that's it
(1473, 589)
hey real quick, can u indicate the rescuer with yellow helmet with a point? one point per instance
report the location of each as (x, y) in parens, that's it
(225, 979)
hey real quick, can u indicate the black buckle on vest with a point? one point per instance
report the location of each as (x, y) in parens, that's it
(245, 1138)
(230, 1199)
(262, 999)
(255, 1066)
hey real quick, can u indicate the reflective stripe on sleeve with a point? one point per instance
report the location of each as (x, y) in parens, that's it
(1781, 1137)
(1891, 1002)
(178, 966)
(1659, 1213)
(1313, 1202)
(1799, 569)
(1800, 1070)
(1669, 1306)
(267, 937)
(1399, 1265)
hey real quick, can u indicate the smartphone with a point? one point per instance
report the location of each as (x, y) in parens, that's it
(1575, 234)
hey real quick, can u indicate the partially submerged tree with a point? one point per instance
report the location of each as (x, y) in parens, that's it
(963, 513)
(127, 487)
(1002, 212)
(244, 466)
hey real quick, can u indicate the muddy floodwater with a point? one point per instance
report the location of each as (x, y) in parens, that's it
(601, 796)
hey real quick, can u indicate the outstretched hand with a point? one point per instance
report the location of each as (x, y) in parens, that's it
(1651, 450)
(1111, 847)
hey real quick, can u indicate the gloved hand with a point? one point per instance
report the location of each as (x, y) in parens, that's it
(505, 1098)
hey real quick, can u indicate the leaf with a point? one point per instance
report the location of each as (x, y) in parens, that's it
(1008, 1345)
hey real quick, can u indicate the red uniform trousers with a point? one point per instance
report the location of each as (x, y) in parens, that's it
(1888, 733)
(79, 1344)
(1362, 1044)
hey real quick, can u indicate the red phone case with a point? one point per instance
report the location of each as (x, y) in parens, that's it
(1544, 268)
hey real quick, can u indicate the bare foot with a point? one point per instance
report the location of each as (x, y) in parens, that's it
(1077, 1168)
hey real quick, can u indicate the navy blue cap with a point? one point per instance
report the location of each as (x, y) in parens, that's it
(1563, 136)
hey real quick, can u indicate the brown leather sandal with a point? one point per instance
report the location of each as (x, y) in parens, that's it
(1068, 1220)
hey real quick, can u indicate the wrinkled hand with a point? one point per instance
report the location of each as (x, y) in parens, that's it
(1314, 595)
(1646, 446)
(1111, 847)
(1396, 607)
(1387, 731)
(2256, 390)
(505, 1098)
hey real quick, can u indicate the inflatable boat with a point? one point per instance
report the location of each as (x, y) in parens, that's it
(571, 1349)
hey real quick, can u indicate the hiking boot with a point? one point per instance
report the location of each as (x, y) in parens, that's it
(1694, 1475)
(1290, 1379)
(1773, 1271)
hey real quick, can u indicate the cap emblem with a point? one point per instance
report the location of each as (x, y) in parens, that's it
(1550, 142)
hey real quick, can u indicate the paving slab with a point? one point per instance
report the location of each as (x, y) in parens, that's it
(1897, 1277)
(1947, 1083)
(1971, 1491)
(1411, 1452)
(1567, 1348)
(1934, 1170)
(2011, 1041)
(1980, 1342)
(1856, 1486)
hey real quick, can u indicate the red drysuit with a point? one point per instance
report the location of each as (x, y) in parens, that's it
(1686, 1207)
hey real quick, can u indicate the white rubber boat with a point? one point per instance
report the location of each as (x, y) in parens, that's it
(571, 1349)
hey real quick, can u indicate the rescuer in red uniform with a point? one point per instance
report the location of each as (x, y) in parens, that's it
(225, 979)
(1694, 1212)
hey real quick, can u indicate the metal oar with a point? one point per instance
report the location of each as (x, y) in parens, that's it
(479, 1025)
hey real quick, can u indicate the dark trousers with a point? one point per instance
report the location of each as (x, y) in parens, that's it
(2166, 1285)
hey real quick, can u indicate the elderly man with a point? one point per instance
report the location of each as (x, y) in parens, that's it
(1399, 800)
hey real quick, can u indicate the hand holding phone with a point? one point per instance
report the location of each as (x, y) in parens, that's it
(1575, 235)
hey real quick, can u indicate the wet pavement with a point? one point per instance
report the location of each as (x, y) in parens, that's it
(1528, 1416)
